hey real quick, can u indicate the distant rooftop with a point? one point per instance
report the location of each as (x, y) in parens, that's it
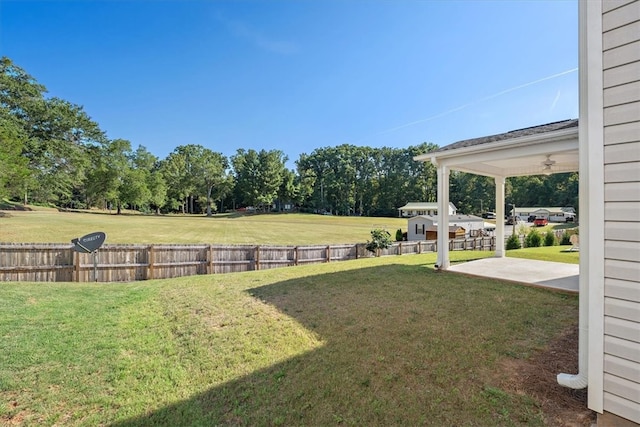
(534, 130)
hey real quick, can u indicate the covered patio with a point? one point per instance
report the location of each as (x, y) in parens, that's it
(545, 149)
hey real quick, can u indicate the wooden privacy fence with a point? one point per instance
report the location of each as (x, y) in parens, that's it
(37, 262)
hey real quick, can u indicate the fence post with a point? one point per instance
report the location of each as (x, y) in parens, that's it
(400, 248)
(329, 253)
(151, 262)
(257, 257)
(76, 266)
(295, 255)
(210, 254)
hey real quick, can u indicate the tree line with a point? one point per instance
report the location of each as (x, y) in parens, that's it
(52, 152)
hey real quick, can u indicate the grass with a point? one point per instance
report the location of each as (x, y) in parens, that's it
(547, 253)
(369, 342)
(382, 341)
(45, 225)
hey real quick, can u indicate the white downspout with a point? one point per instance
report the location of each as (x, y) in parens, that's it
(591, 196)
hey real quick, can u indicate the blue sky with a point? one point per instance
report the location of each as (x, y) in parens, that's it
(296, 75)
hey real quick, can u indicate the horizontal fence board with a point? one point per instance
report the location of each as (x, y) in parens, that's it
(36, 262)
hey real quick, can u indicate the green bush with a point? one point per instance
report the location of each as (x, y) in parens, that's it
(513, 242)
(550, 239)
(399, 235)
(380, 239)
(565, 239)
(533, 239)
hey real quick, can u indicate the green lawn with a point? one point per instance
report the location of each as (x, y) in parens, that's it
(380, 341)
(547, 253)
(50, 226)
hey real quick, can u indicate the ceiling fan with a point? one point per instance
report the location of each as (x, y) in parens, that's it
(547, 165)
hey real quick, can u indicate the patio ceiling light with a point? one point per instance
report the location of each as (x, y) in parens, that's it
(547, 165)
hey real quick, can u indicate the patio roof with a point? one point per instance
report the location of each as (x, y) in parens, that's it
(520, 152)
(537, 150)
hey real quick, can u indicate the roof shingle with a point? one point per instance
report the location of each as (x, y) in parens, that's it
(549, 127)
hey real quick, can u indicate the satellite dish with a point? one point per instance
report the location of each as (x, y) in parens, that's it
(89, 243)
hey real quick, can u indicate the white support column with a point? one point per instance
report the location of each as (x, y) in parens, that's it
(500, 250)
(443, 217)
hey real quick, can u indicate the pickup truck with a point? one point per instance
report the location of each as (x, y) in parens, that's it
(540, 222)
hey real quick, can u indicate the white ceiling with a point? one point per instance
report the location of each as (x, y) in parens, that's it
(520, 156)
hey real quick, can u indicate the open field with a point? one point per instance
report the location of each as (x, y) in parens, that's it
(380, 341)
(50, 226)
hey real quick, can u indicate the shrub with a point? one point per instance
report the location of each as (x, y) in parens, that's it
(533, 239)
(513, 242)
(550, 239)
(565, 239)
(399, 235)
(380, 239)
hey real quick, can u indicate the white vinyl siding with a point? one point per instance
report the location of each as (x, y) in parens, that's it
(621, 100)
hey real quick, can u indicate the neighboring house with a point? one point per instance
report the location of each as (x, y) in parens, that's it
(605, 148)
(554, 214)
(423, 208)
(417, 226)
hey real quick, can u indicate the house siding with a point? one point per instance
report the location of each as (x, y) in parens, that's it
(621, 101)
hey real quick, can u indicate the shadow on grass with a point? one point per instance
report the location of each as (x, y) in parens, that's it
(403, 345)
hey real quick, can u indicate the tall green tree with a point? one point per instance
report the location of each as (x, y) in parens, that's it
(258, 176)
(154, 186)
(56, 135)
(289, 190)
(110, 175)
(210, 175)
(13, 165)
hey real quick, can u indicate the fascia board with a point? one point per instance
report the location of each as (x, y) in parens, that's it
(522, 142)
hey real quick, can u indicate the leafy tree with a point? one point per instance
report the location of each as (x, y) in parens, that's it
(289, 190)
(155, 185)
(380, 239)
(210, 174)
(110, 175)
(158, 189)
(56, 134)
(258, 176)
(13, 166)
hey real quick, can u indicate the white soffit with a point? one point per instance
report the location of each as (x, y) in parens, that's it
(521, 156)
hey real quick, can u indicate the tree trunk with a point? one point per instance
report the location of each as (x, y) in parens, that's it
(209, 202)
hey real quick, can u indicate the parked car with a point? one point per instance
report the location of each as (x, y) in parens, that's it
(489, 215)
(540, 222)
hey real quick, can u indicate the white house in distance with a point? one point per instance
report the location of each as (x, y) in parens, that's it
(553, 214)
(423, 208)
(419, 225)
(605, 149)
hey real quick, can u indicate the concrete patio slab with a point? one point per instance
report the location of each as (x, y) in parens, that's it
(553, 275)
